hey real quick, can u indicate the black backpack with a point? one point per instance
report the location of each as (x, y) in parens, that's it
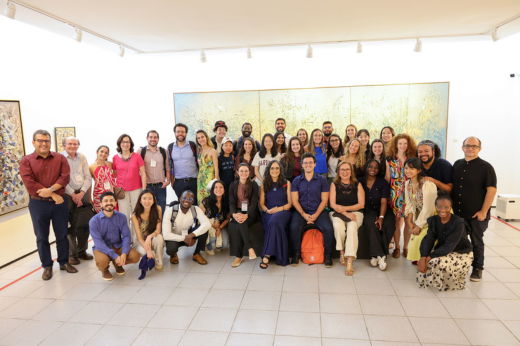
(163, 153)
(175, 212)
(193, 147)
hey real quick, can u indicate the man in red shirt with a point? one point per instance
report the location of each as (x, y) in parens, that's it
(45, 175)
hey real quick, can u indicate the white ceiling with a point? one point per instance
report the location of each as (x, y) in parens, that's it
(154, 26)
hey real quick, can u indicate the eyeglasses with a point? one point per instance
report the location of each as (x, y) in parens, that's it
(327, 127)
(187, 199)
(440, 207)
(41, 141)
(308, 163)
(334, 140)
(467, 146)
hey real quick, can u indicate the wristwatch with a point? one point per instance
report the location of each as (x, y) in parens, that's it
(52, 188)
(381, 217)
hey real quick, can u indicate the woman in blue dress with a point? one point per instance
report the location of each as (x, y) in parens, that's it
(275, 203)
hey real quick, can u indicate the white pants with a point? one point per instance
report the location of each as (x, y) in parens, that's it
(127, 205)
(348, 229)
(157, 248)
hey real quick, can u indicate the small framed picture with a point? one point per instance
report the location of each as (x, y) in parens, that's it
(60, 133)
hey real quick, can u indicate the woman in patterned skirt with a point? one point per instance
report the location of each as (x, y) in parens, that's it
(208, 164)
(101, 172)
(399, 149)
(447, 266)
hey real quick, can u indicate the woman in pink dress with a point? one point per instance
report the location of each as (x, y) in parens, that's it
(101, 172)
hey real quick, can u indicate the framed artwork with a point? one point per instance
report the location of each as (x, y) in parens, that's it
(420, 110)
(59, 134)
(14, 195)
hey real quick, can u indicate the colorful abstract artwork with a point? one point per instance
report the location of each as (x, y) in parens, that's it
(59, 134)
(418, 109)
(12, 149)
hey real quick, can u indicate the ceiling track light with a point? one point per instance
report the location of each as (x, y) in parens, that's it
(249, 55)
(121, 51)
(494, 35)
(359, 48)
(10, 10)
(418, 46)
(309, 52)
(202, 56)
(78, 34)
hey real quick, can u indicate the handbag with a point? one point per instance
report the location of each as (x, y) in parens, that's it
(119, 191)
(341, 216)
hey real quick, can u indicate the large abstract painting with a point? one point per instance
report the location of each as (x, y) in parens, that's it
(14, 195)
(418, 109)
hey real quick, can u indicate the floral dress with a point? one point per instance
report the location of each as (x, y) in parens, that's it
(104, 181)
(206, 174)
(397, 180)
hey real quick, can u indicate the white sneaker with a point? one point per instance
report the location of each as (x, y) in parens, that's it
(382, 262)
(210, 252)
(374, 261)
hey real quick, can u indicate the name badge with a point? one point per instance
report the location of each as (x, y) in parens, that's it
(78, 176)
(153, 163)
(244, 206)
(106, 186)
(184, 232)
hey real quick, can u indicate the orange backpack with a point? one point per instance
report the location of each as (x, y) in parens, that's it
(312, 247)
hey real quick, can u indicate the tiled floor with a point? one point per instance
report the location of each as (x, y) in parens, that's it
(189, 304)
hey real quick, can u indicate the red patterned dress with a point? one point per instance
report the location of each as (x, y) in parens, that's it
(104, 181)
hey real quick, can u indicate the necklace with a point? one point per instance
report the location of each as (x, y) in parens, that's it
(127, 158)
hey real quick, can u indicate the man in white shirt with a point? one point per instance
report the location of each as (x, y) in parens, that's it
(184, 230)
(76, 193)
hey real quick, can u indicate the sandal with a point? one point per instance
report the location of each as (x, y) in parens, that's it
(342, 260)
(350, 269)
(263, 264)
(397, 252)
(391, 245)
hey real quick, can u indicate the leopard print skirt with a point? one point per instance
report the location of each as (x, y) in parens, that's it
(446, 273)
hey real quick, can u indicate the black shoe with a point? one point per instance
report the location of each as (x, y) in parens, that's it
(476, 275)
(328, 261)
(296, 260)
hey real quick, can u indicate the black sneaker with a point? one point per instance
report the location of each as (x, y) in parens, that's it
(328, 261)
(296, 260)
(476, 275)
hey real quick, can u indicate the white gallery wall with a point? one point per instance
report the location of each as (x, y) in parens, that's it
(61, 82)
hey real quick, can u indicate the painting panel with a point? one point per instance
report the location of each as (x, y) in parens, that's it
(59, 134)
(14, 194)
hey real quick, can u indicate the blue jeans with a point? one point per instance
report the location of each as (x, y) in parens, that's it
(160, 195)
(323, 222)
(42, 213)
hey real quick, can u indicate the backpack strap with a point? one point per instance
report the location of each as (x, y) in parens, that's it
(193, 147)
(143, 152)
(170, 149)
(163, 153)
(175, 212)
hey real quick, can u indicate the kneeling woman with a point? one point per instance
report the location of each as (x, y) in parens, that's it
(216, 208)
(347, 198)
(448, 265)
(147, 219)
(419, 197)
(275, 202)
(243, 204)
(379, 220)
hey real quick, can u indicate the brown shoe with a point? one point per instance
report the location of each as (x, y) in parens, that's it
(405, 253)
(174, 259)
(86, 256)
(107, 275)
(397, 252)
(74, 261)
(68, 268)
(199, 259)
(47, 273)
(119, 270)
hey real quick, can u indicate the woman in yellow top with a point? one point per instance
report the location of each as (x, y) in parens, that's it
(419, 197)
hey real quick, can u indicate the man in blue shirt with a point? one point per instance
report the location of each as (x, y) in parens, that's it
(112, 238)
(437, 170)
(184, 167)
(310, 195)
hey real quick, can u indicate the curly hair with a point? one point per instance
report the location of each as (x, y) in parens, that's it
(242, 151)
(391, 150)
(435, 148)
(360, 155)
(353, 179)
(210, 202)
(268, 180)
(330, 151)
(289, 156)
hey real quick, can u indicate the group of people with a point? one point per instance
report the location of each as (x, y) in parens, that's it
(339, 186)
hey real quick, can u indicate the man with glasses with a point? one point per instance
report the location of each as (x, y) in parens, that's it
(474, 188)
(185, 224)
(310, 195)
(437, 170)
(45, 175)
(327, 131)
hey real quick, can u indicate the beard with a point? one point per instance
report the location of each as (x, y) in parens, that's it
(246, 134)
(430, 159)
(178, 138)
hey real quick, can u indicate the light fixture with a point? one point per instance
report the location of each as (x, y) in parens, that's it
(249, 55)
(494, 35)
(309, 52)
(10, 10)
(202, 57)
(121, 51)
(418, 46)
(78, 34)
(359, 48)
